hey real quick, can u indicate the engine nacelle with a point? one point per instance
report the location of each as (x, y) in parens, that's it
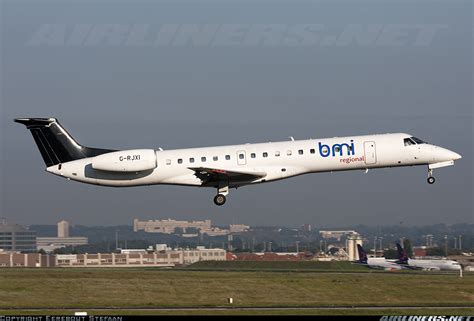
(135, 160)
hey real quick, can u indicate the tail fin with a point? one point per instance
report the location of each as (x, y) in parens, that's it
(54, 142)
(362, 254)
(402, 255)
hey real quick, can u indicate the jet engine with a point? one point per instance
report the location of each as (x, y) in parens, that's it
(135, 160)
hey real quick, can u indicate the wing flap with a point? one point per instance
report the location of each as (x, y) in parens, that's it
(213, 175)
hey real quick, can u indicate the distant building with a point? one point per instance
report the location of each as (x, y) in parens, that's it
(215, 231)
(17, 238)
(335, 234)
(169, 226)
(419, 251)
(306, 227)
(49, 244)
(63, 229)
(238, 228)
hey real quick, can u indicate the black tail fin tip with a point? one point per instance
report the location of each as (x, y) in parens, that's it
(362, 254)
(36, 122)
(402, 255)
(54, 142)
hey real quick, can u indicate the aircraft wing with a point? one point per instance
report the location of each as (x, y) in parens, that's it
(211, 176)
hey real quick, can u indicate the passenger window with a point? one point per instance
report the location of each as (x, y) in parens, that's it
(227, 157)
(215, 158)
(265, 154)
(168, 162)
(277, 154)
(288, 152)
(312, 151)
(203, 159)
(241, 156)
(300, 152)
(337, 149)
(191, 160)
(180, 160)
(253, 155)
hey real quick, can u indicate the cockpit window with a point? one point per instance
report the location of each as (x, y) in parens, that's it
(413, 141)
(417, 140)
(408, 142)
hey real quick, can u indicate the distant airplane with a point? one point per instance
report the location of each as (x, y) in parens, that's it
(227, 167)
(379, 263)
(427, 265)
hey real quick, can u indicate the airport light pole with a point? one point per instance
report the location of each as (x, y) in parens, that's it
(375, 246)
(297, 246)
(446, 245)
(381, 244)
(116, 240)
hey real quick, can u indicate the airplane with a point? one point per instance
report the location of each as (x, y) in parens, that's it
(226, 167)
(426, 265)
(378, 263)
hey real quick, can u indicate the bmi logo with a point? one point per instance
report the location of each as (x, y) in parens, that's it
(327, 150)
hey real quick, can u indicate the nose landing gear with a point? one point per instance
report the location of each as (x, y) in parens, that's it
(431, 179)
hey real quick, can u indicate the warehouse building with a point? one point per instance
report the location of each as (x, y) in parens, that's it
(164, 257)
(16, 259)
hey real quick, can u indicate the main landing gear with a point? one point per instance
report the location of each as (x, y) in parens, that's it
(220, 198)
(431, 179)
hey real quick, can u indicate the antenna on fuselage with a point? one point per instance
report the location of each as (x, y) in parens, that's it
(292, 138)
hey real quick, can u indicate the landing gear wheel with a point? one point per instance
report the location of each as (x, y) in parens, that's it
(219, 200)
(431, 180)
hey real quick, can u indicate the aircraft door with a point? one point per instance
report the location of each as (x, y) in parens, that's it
(241, 157)
(370, 153)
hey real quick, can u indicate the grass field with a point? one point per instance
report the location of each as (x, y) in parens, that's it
(147, 288)
(315, 266)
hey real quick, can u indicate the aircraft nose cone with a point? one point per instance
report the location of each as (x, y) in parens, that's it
(443, 154)
(455, 156)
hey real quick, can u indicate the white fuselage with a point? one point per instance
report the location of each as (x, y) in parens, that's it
(434, 265)
(382, 263)
(276, 160)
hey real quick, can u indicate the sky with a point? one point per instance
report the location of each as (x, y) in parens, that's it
(177, 74)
